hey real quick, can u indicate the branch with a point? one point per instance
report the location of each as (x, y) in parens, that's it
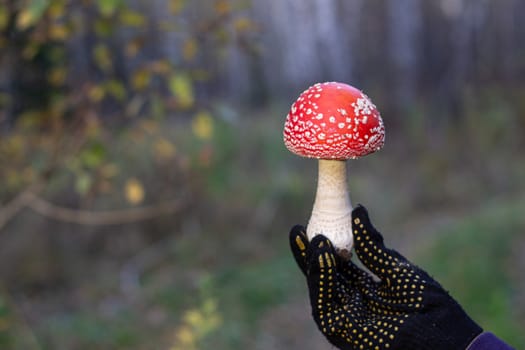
(111, 217)
(29, 199)
(12, 208)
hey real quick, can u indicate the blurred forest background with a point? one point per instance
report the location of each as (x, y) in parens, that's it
(146, 195)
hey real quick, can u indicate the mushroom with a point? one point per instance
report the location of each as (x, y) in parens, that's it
(333, 122)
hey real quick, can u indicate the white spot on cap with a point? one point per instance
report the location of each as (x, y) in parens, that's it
(363, 106)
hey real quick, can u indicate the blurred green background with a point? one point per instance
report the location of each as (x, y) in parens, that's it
(146, 194)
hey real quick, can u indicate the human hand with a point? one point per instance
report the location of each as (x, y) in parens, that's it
(403, 308)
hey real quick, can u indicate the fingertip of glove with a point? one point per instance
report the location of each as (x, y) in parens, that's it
(297, 229)
(364, 231)
(321, 245)
(298, 239)
(360, 212)
(299, 245)
(321, 257)
(320, 242)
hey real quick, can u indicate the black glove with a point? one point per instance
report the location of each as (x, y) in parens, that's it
(406, 309)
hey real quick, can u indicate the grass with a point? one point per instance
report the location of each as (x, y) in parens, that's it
(474, 260)
(246, 293)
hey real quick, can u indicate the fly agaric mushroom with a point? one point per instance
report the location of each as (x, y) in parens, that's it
(333, 122)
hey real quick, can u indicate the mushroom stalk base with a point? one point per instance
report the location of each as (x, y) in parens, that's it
(332, 211)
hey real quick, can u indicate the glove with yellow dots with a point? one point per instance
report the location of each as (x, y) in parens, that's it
(406, 309)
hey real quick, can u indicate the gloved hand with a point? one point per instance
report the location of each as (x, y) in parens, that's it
(405, 309)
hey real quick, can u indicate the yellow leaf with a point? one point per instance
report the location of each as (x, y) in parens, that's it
(56, 9)
(222, 7)
(109, 170)
(132, 18)
(31, 13)
(116, 89)
(102, 57)
(150, 126)
(133, 47)
(161, 67)
(202, 125)
(243, 24)
(189, 50)
(24, 20)
(164, 149)
(108, 7)
(57, 76)
(175, 6)
(134, 191)
(141, 79)
(197, 325)
(96, 93)
(194, 318)
(186, 336)
(4, 17)
(181, 87)
(58, 32)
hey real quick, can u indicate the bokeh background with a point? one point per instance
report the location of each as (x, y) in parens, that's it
(146, 195)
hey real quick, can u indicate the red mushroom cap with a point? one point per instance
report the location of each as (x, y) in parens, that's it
(333, 121)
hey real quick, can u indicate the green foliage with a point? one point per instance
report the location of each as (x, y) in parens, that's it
(87, 328)
(473, 260)
(244, 293)
(70, 109)
(124, 125)
(199, 323)
(108, 7)
(31, 13)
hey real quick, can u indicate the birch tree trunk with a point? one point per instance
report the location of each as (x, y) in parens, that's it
(404, 35)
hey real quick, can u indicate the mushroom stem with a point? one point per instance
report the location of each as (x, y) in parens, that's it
(332, 211)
